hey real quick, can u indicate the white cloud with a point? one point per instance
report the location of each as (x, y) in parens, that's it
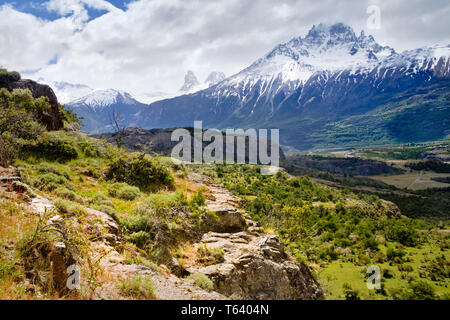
(64, 7)
(149, 46)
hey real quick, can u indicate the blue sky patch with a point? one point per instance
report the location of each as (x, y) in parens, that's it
(38, 9)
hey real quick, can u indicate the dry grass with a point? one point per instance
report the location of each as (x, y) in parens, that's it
(15, 222)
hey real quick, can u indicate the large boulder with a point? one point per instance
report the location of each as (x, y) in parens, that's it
(228, 219)
(52, 117)
(257, 267)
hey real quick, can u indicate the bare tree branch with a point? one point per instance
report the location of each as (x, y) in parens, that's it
(119, 130)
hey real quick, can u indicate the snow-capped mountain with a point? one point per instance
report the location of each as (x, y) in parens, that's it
(309, 84)
(326, 51)
(103, 98)
(98, 108)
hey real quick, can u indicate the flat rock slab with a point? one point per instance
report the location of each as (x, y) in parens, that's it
(41, 205)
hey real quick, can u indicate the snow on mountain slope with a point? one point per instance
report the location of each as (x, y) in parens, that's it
(101, 98)
(324, 48)
(305, 84)
(325, 51)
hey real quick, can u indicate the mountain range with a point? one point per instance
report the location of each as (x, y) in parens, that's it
(331, 88)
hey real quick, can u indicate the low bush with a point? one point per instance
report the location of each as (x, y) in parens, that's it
(350, 294)
(402, 233)
(421, 290)
(65, 193)
(202, 280)
(123, 191)
(67, 206)
(209, 256)
(140, 171)
(438, 269)
(52, 146)
(139, 287)
(49, 181)
(45, 167)
(394, 254)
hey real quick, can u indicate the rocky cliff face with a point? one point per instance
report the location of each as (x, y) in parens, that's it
(51, 118)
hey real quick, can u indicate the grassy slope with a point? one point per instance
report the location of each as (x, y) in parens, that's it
(73, 185)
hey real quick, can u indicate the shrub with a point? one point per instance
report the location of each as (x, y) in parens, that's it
(202, 280)
(421, 290)
(140, 171)
(139, 238)
(209, 256)
(18, 122)
(67, 206)
(350, 294)
(199, 198)
(136, 223)
(400, 232)
(45, 167)
(393, 253)
(67, 194)
(329, 254)
(138, 286)
(49, 181)
(53, 146)
(405, 268)
(387, 273)
(123, 191)
(370, 243)
(438, 269)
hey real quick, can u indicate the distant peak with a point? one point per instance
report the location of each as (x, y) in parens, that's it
(214, 78)
(338, 31)
(190, 81)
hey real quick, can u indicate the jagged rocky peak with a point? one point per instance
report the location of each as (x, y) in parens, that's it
(190, 81)
(338, 32)
(332, 47)
(214, 78)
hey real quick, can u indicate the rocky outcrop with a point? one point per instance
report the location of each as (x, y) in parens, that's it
(255, 265)
(52, 117)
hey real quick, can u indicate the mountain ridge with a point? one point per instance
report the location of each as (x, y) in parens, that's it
(307, 86)
(278, 91)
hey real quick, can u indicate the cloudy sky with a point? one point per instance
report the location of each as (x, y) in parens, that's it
(148, 45)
